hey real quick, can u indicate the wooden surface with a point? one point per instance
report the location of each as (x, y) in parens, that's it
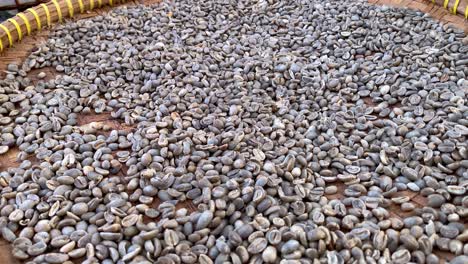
(22, 49)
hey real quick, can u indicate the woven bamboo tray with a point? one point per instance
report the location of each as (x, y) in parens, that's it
(21, 49)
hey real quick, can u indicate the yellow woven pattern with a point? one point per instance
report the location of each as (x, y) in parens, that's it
(80, 3)
(70, 8)
(26, 22)
(446, 4)
(47, 12)
(17, 26)
(455, 7)
(36, 16)
(7, 31)
(59, 11)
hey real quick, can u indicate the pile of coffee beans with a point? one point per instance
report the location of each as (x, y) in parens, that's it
(267, 131)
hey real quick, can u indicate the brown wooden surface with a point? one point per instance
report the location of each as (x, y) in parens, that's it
(22, 49)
